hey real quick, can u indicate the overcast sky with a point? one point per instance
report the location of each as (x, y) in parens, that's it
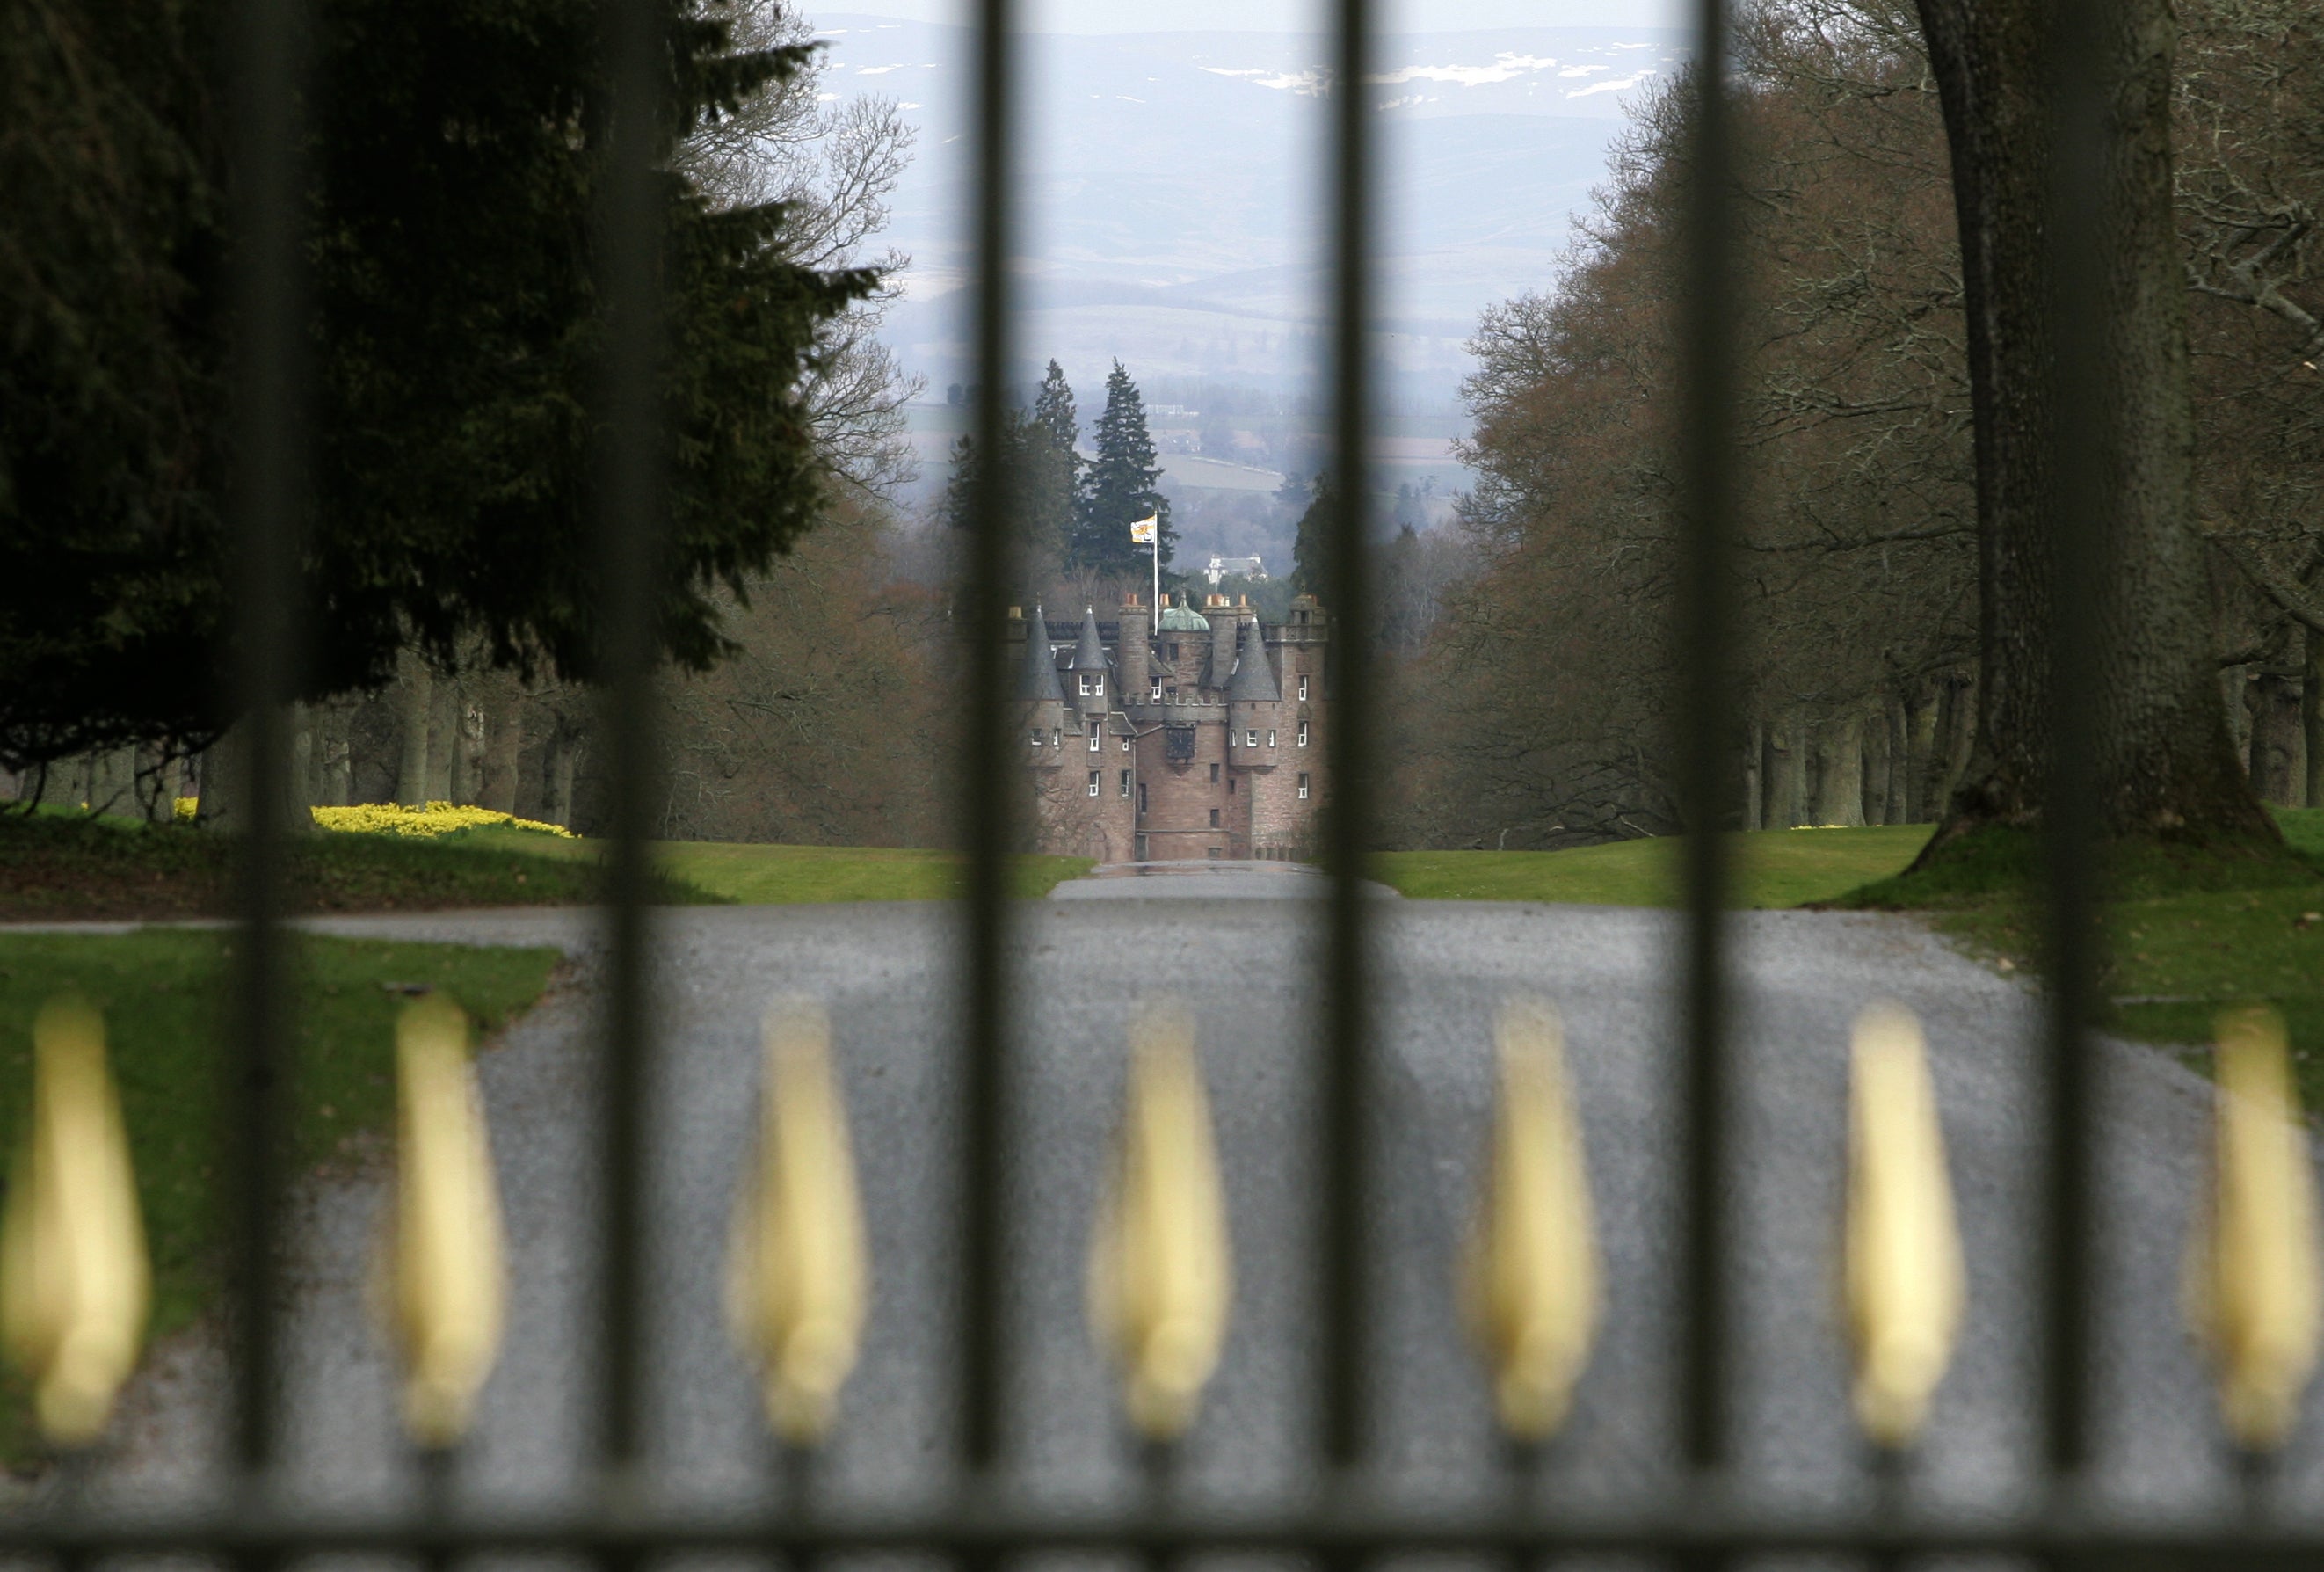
(1284, 15)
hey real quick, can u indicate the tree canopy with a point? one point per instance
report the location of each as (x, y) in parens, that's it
(1118, 488)
(455, 155)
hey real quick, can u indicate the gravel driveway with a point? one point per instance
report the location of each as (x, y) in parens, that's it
(1241, 965)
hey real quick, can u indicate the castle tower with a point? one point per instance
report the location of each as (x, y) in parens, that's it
(1221, 618)
(1090, 666)
(1134, 645)
(1042, 697)
(1254, 723)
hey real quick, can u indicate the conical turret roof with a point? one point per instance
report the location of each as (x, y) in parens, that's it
(1254, 679)
(1089, 655)
(1039, 681)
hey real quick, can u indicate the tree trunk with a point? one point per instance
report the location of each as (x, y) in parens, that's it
(1874, 807)
(1787, 775)
(503, 736)
(335, 739)
(1922, 716)
(302, 756)
(156, 785)
(1960, 735)
(2162, 760)
(226, 787)
(1897, 723)
(443, 737)
(557, 764)
(2275, 733)
(1754, 776)
(2235, 698)
(2312, 717)
(460, 777)
(414, 702)
(112, 781)
(1839, 772)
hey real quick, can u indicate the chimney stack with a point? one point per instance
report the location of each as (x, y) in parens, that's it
(1132, 643)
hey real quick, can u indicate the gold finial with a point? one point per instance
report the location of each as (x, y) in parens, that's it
(1160, 1270)
(1530, 1282)
(2252, 1280)
(1903, 1278)
(75, 1284)
(447, 1285)
(798, 1280)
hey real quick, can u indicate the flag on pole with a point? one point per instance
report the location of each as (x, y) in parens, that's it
(1142, 530)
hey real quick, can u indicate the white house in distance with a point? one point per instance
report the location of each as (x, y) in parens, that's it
(1234, 568)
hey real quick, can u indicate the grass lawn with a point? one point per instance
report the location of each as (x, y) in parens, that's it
(57, 866)
(2182, 943)
(1776, 867)
(755, 875)
(162, 994)
(61, 865)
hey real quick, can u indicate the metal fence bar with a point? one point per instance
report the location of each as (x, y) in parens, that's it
(1708, 789)
(990, 823)
(2076, 231)
(1342, 1102)
(630, 527)
(1348, 1527)
(269, 62)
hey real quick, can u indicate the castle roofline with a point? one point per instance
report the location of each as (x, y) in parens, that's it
(1179, 617)
(1038, 680)
(1253, 681)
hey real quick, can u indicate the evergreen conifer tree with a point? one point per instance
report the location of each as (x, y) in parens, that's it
(1049, 476)
(1053, 413)
(1310, 544)
(1041, 496)
(1119, 487)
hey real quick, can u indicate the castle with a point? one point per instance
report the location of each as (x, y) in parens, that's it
(1198, 737)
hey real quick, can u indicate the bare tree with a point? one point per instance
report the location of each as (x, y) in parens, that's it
(831, 166)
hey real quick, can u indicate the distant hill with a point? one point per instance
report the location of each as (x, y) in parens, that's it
(1175, 215)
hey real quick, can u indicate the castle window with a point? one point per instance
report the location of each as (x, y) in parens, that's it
(1125, 743)
(1214, 774)
(1251, 738)
(1303, 685)
(1174, 653)
(1097, 686)
(1037, 737)
(1157, 693)
(1271, 736)
(1231, 786)
(1214, 818)
(1096, 738)
(1056, 737)
(1093, 784)
(1125, 782)
(1231, 736)
(1303, 734)
(1303, 788)
(1141, 797)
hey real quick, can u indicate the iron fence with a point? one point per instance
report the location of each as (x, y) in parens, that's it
(1704, 1516)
